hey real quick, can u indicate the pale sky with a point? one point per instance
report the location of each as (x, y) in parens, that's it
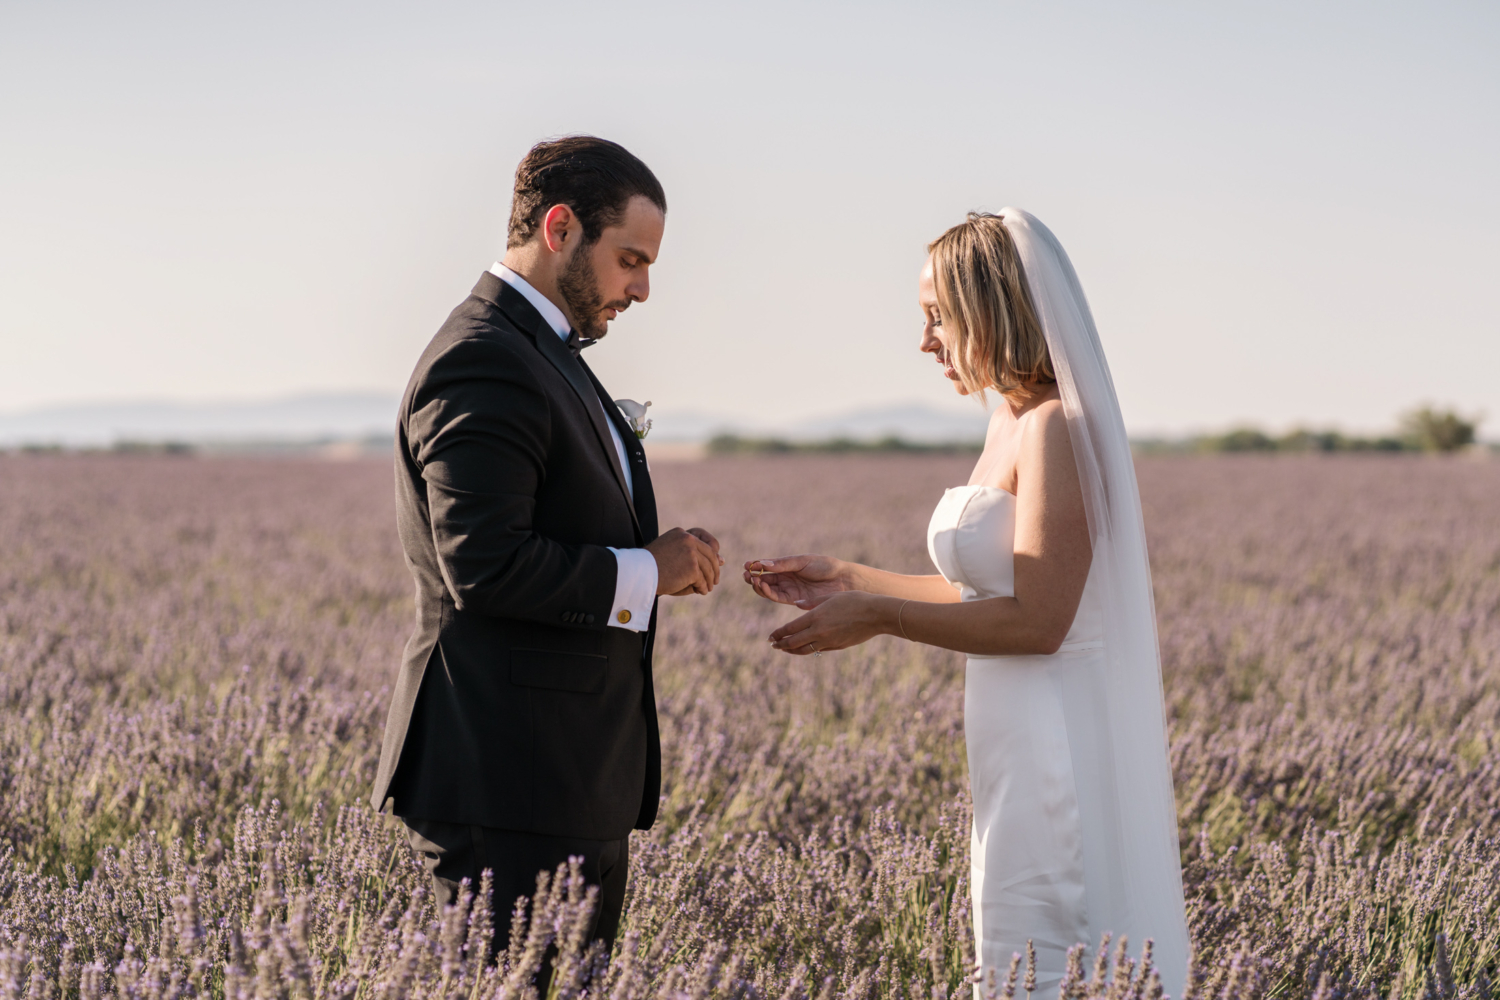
(1282, 212)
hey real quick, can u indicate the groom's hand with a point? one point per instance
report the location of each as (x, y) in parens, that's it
(687, 562)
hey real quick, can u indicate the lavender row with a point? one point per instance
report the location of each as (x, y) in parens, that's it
(194, 658)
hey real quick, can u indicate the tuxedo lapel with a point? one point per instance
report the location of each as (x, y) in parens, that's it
(640, 473)
(520, 312)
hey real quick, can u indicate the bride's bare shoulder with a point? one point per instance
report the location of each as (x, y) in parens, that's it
(1044, 434)
(1044, 420)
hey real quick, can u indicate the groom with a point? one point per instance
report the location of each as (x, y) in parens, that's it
(522, 729)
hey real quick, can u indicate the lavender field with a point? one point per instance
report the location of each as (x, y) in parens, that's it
(194, 657)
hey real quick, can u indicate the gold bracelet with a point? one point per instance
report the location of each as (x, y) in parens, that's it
(898, 619)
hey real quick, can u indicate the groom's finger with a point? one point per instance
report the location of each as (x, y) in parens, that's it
(708, 564)
(708, 539)
(709, 560)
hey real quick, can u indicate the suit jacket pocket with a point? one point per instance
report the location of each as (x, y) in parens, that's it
(545, 668)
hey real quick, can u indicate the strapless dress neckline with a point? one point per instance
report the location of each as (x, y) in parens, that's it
(981, 486)
(971, 539)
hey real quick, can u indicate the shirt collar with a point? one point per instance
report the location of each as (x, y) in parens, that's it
(553, 315)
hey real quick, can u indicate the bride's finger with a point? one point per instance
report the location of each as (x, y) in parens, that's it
(779, 564)
(772, 590)
(807, 644)
(799, 647)
(798, 624)
(794, 641)
(787, 638)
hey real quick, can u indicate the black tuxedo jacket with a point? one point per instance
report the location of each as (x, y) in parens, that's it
(517, 705)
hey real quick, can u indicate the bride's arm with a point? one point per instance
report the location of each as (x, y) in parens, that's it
(796, 579)
(1052, 555)
(931, 589)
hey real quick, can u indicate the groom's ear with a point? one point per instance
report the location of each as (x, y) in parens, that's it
(560, 228)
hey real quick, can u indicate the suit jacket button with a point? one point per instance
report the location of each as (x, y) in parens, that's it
(624, 616)
(567, 616)
(588, 619)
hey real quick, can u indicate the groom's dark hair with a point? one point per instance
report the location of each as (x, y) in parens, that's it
(594, 177)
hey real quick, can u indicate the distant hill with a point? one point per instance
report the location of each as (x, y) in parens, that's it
(321, 417)
(910, 422)
(312, 417)
(913, 422)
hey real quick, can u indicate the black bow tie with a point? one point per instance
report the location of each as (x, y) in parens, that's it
(576, 343)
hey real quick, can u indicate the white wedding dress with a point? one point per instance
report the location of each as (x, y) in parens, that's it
(1034, 770)
(1075, 821)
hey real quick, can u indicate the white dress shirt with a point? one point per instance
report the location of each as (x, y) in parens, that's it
(635, 573)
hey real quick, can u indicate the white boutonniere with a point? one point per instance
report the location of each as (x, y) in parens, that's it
(635, 416)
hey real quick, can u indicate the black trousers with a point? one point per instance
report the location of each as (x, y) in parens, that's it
(453, 852)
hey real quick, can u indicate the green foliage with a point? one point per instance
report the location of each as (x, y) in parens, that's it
(1428, 429)
(1301, 440)
(1424, 429)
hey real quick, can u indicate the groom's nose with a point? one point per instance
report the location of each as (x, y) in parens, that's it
(639, 288)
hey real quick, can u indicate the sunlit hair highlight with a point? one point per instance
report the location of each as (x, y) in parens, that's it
(994, 338)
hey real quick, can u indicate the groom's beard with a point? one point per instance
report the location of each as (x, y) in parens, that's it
(579, 286)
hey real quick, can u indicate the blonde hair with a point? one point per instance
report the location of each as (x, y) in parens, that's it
(994, 338)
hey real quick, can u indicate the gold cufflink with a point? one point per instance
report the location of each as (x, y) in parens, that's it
(623, 617)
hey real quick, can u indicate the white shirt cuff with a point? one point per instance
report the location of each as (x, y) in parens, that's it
(635, 589)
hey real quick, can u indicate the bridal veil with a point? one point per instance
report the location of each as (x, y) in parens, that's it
(1135, 888)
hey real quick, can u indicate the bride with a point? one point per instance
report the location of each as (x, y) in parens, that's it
(1045, 584)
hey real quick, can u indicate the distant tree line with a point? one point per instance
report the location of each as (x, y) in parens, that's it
(1425, 429)
(733, 444)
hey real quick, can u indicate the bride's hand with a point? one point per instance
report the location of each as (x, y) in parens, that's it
(834, 622)
(790, 579)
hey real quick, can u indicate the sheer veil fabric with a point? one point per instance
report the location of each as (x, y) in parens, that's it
(1137, 887)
